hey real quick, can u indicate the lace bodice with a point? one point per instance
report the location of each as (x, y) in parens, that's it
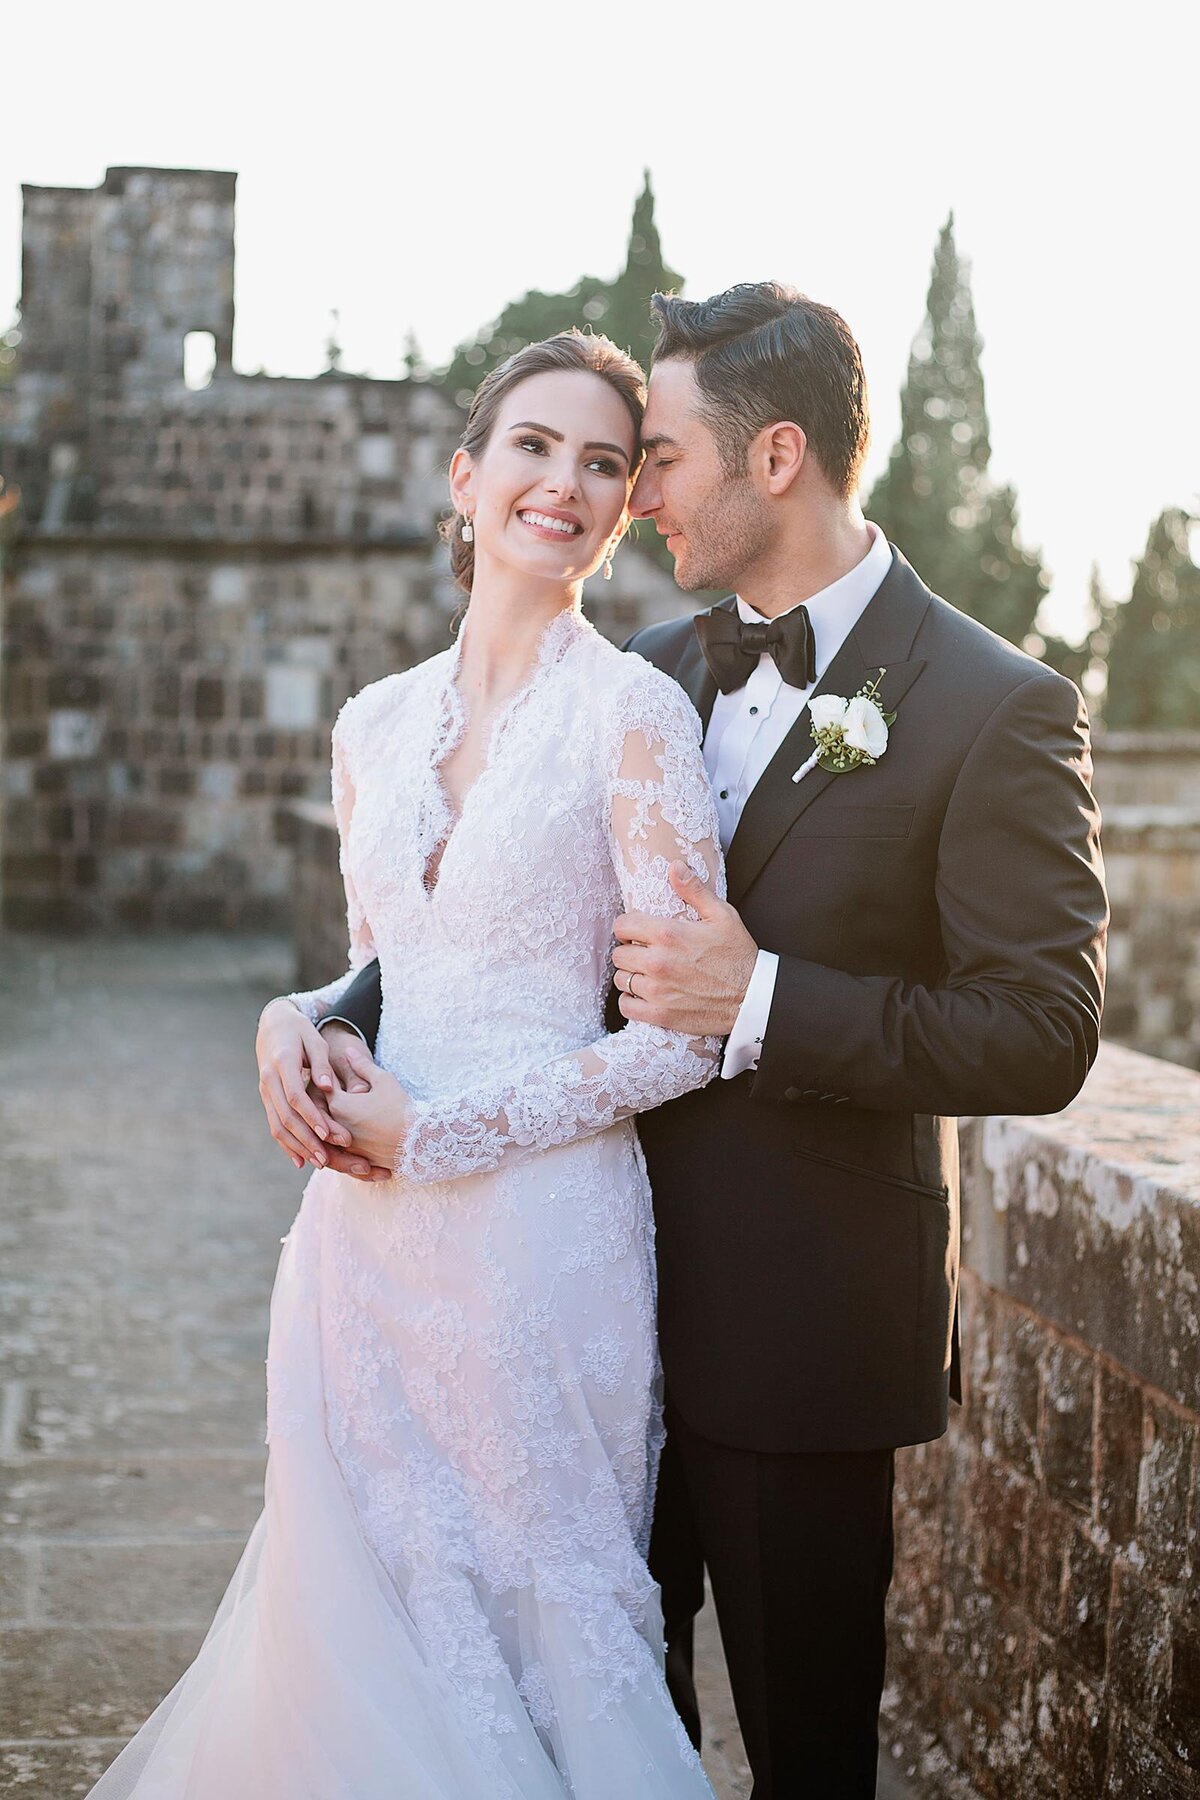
(495, 978)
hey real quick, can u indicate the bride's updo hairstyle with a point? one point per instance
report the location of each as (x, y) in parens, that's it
(573, 349)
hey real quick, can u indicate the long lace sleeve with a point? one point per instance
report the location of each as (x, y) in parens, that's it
(660, 809)
(316, 1003)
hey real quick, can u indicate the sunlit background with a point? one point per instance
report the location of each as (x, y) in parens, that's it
(415, 169)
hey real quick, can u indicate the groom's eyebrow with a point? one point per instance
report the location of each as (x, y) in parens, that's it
(532, 425)
(658, 441)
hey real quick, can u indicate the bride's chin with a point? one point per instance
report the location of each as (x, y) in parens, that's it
(560, 569)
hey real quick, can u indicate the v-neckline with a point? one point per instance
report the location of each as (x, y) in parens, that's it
(451, 720)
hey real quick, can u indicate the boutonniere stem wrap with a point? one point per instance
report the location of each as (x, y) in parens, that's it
(850, 734)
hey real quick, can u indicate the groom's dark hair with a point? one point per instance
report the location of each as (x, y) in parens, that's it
(761, 352)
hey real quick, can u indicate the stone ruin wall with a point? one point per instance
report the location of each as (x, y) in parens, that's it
(1044, 1629)
(201, 576)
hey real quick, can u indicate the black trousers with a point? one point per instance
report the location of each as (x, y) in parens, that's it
(798, 1549)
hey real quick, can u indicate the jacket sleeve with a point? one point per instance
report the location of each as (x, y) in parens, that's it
(316, 1003)
(660, 809)
(360, 1006)
(1013, 1023)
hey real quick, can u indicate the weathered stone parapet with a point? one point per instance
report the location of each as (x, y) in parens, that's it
(1152, 863)
(1046, 1608)
(1148, 768)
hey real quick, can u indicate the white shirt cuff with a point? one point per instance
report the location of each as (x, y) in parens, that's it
(744, 1043)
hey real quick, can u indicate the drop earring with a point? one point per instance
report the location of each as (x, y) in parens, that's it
(468, 530)
(608, 567)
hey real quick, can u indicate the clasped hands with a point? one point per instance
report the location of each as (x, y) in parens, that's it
(329, 1103)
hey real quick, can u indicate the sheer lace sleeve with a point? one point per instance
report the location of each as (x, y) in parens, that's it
(315, 1004)
(660, 809)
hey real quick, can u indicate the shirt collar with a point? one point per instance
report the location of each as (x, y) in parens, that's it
(835, 610)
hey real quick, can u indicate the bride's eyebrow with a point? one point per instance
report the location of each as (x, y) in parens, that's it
(532, 425)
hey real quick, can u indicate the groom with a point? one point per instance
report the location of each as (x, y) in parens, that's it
(915, 938)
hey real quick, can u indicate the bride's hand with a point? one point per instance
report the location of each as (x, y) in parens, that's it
(377, 1121)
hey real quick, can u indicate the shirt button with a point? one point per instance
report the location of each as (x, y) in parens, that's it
(724, 793)
(753, 710)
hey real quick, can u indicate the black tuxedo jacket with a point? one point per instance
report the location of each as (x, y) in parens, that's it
(940, 921)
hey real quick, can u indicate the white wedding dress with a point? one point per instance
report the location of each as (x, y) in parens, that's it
(446, 1596)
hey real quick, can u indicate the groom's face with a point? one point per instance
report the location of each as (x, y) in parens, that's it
(716, 524)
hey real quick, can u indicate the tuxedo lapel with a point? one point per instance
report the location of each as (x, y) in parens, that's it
(882, 639)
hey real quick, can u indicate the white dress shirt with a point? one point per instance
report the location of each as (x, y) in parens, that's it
(746, 729)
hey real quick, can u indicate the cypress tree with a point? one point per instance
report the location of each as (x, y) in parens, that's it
(626, 319)
(619, 308)
(935, 499)
(1153, 652)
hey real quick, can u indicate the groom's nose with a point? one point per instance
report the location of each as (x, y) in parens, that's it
(645, 499)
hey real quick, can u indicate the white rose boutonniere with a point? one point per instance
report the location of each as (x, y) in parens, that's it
(850, 734)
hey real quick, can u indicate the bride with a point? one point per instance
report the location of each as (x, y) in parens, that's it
(446, 1596)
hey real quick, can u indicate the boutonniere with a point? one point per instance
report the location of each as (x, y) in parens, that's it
(850, 734)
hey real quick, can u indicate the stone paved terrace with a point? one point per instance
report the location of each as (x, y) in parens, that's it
(142, 1207)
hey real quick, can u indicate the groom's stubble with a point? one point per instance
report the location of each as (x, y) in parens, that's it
(724, 538)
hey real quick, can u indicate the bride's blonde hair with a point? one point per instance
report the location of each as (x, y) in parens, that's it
(573, 349)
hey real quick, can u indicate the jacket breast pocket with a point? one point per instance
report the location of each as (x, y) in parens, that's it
(857, 821)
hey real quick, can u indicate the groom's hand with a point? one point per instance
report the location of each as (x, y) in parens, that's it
(353, 1069)
(688, 975)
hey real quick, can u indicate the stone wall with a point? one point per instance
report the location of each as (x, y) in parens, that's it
(1148, 786)
(159, 705)
(1045, 1632)
(200, 576)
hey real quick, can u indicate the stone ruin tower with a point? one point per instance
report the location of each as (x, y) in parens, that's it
(201, 570)
(203, 567)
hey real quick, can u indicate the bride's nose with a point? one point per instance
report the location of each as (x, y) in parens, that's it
(562, 480)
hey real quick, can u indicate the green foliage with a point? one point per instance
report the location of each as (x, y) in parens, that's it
(1083, 663)
(1153, 639)
(627, 320)
(619, 308)
(935, 499)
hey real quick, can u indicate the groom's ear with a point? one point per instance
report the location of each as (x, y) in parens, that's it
(777, 455)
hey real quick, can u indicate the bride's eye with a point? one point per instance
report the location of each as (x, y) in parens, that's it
(531, 443)
(605, 465)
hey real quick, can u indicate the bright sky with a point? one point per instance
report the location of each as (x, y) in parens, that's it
(417, 166)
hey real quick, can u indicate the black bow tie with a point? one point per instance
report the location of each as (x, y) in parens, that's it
(732, 647)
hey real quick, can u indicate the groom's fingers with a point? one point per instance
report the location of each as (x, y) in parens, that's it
(642, 928)
(354, 1067)
(636, 959)
(350, 1162)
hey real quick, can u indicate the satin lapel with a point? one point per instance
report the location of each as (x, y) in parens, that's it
(692, 672)
(881, 639)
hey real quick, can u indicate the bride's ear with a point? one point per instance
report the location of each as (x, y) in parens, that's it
(461, 472)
